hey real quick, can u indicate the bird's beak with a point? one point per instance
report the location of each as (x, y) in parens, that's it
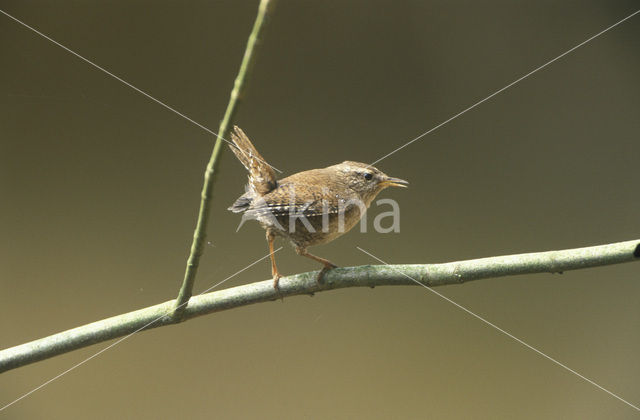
(394, 182)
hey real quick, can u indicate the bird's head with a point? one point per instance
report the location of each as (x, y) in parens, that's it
(365, 180)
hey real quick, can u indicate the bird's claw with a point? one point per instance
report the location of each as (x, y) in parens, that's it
(323, 271)
(276, 284)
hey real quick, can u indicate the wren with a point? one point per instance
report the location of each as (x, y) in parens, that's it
(307, 208)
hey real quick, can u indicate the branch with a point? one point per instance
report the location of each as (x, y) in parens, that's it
(199, 235)
(364, 276)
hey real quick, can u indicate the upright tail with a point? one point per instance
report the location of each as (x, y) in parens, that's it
(262, 177)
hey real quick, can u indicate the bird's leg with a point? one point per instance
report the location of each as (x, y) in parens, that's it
(274, 269)
(328, 265)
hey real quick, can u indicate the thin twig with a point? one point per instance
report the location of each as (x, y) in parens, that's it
(199, 235)
(305, 284)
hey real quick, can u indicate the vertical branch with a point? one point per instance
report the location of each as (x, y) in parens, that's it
(199, 235)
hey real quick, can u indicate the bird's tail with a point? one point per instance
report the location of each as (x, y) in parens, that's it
(262, 177)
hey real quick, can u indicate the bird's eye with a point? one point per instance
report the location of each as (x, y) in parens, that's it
(368, 176)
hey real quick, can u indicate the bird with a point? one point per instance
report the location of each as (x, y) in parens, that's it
(307, 208)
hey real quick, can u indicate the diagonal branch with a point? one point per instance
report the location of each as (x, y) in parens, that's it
(199, 235)
(431, 275)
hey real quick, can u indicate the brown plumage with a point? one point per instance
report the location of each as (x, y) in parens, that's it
(262, 178)
(307, 208)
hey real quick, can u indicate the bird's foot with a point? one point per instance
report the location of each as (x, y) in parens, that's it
(276, 284)
(323, 271)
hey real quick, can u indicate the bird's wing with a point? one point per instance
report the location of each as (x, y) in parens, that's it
(262, 177)
(289, 198)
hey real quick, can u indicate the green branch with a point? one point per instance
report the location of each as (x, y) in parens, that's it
(305, 284)
(200, 233)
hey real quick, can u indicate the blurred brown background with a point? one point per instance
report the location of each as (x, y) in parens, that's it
(100, 189)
